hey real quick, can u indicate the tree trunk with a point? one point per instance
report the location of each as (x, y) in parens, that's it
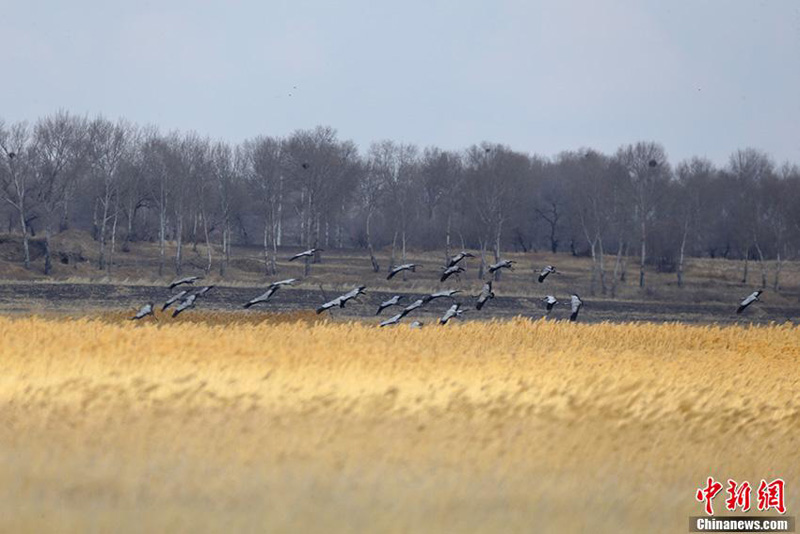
(113, 237)
(392, 258)
(497, 235)
(375, 267)
(279, 215)
(24, 227)
(48, 263)
(617, 267)
(403, 259)
(601, 265)
(274, 234)
(762, 265)
(208, 243)
(95, 225)
(482, 267)
(643, 257)
(317, 233)
(744, 273)
(776, 286)
(179, 246)
(447, 239)
(682, 253)
(593, 278)
(195, 221)
(103, 223)
(162, 238)
(223, 266)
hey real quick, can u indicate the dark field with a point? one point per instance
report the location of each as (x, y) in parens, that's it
(711, 293)
(80, 298)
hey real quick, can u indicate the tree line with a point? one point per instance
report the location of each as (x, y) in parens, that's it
(125, 183)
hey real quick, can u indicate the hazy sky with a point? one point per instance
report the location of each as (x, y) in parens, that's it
(701, 77)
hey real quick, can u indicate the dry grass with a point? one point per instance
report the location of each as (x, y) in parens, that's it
(109, 425)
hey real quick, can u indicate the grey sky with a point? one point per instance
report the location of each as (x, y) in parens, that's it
(701, 77)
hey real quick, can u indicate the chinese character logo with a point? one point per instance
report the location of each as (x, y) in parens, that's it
(708, 493)
(770, 495)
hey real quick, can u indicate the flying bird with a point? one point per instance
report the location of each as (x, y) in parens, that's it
(440, 294)
(550, 301)
(305, 254)
(392, 320)
(387, 303)
(751, 298)
(287, 282)
(143, 312)
(413, 306)
(203, 290)
(577, 304)
(185, 304)
(458, 257)
(450, 271)
(503, 264)
(454, 311)
(173, 299)
(486, 294)
(187, 280)
(400, 268)
(353, 293)
(549, 269)
(273, 287)
(342, 299)
(264, 297)
(330, 304)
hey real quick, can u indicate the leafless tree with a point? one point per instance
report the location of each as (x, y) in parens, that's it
(109, 144)
(441, 174)
(493, 176)
(15, 153)
(61, 147)
(265, 177)
(648, 169)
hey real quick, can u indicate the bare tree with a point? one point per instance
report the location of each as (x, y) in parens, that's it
(223, 165)
(493, 176)
(59, 156)
(693, 177)
(15, 152)
(265, 167)
(317, 163)
(398, 169)
(440, 176)
(108, 146)
(156, 153)
(750, 168)
(589, 174)
(648, 170)
(371, 191)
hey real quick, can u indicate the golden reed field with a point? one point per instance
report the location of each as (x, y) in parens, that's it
(212, 424)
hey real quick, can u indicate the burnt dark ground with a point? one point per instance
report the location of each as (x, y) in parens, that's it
(81, 298)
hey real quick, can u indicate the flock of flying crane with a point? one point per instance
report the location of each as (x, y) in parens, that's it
(187, 300)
